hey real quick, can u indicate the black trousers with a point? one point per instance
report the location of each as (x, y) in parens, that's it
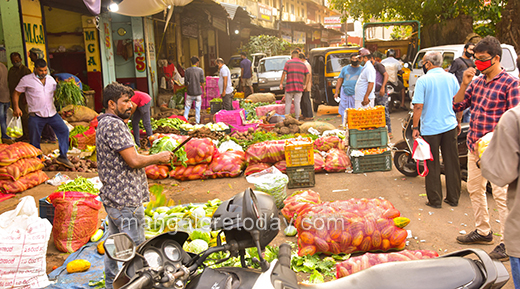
(447, 142)
(306, 104)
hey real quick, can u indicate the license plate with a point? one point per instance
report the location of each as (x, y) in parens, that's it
(275, 88)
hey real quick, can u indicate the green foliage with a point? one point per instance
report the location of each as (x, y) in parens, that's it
(270, 45)
(401, 32)
(250, 108)
(169, 144)
(86, 87)
(68, 92)
(177, 100)
(487, 17)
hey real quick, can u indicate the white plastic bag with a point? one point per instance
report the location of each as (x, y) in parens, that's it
(229, 145)
(15, 128)
(422, 152)
(23, 246)
(272, 182)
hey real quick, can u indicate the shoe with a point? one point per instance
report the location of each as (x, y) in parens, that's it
(475, 238)
(403, 107)
(7, 141)
(499, 253)
(64, 161)
(433, 206)
(450, 203)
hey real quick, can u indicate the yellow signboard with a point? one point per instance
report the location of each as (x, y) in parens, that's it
(33, 31)
(91, 39)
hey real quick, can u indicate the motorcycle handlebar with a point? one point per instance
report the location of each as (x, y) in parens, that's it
(141, 283)
(284, 255)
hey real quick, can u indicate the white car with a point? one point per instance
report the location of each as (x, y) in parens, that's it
(236, 71)
(452, 52)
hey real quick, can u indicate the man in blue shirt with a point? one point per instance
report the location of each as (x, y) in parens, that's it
(346, 85)
(245, 75)
(433, 106)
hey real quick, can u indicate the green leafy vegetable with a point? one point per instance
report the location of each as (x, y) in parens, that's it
(169, 144)
(79, 129)
(80, 184)
(99, 284)
(316, 277)
(68, 92)
(250, 108)
(216, 100)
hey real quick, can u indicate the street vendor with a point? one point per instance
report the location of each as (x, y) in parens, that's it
(121, 171)
(141, 103)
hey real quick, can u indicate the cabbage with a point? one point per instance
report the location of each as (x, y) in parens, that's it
(199, 234)
(290, 231)
(197, 246)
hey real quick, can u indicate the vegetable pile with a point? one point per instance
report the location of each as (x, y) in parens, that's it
(80, 165)
(169, 144)
(289, 126)
(79, 184)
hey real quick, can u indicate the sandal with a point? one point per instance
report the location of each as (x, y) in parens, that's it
(433, 206)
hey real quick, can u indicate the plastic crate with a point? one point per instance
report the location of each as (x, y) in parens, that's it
(366, 118)
(299, 155)
(233, 117)
(301, 177)
(215, 107)
(46, 210)
(212, 81)
(372, 163)
(243, 128)
(360, 139)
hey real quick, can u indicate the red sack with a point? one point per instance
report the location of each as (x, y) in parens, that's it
(356, 264)
(94, 123)
(355, 225)
(226, 165)
(75, 219)
(271, 151)
(299, 201)
(16, 151)
(20, 168)
(199, 151)
(24, 183)
(325, 143)
(256, 168)
(82, 140)
(156, 172)
(189, 173)
(281, 166)
(336, 161)
(319, 163)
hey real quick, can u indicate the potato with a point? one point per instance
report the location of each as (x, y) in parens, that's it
(284, 130)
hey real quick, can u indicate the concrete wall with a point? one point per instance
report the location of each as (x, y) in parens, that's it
(11, 27)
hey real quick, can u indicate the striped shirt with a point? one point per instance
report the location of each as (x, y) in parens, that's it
(296, 72)
(488, 101)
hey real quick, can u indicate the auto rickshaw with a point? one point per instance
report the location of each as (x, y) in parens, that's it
(326, 64)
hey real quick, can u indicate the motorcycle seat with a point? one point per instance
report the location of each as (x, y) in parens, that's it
(438, 273)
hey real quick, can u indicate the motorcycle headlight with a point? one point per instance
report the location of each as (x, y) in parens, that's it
(334, 82)
(234, 75)
(262, 80)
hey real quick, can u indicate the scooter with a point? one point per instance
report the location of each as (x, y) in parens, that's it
(249, 220)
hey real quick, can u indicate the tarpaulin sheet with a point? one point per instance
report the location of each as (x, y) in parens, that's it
(80, 280)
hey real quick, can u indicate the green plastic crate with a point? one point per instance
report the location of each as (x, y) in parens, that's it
(361, 139)
(301, 177)
(372, 163)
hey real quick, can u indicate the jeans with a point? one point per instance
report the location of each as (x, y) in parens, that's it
(130, 221)
(4, 106)
(227, 102)
(61, 130)
(187, 106)
(289, 96)
(306, 105)
(383, 100)
(142, 112)
(515, 270)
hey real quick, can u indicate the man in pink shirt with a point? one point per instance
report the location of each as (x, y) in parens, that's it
(39, 92)
(141, 111)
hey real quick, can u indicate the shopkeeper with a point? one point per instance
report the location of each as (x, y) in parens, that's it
(141, 103)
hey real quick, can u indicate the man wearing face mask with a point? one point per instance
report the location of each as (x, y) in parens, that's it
(365, 86)
(488, 97)
(16, 72)
(39, 90)
(346, 85)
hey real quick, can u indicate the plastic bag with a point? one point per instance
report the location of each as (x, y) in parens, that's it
(325, 143)
(229, 145)
(336, 161)
(355, 225)
(24, 183)
(299, 201)
(189, 173)
(273, 182)
(157, 172)
(266, 152)
(281, 166)
(356, 264)
(256, 168)
(15, 128)
(319, 163)
(16, 151)
(82, 140)
(483, 143)
(226, 165)
(24, 239)
(20, 168)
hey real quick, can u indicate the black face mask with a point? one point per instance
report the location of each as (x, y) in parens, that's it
(355, 63)
(425, 70)
(469, 55)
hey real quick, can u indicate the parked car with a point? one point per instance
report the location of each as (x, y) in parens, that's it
(256, 57)
(452, 52)
(234, 69)
(270, 70)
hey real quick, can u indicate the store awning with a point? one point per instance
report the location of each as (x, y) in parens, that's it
(231, 9)
(143, 8)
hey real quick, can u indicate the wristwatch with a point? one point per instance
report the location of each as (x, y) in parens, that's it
(415, 128)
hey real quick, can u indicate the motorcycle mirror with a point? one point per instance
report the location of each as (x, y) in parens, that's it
(406, 65)
(120, 247)
(250, 211)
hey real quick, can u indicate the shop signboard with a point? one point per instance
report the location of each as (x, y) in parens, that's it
(140, 60)
(265, 12)
(33, 31)
(333, 22)
(286, 34)
(299, 37)
(91, 36)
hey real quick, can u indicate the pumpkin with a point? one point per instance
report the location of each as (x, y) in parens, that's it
(401, 222)
(79, 265)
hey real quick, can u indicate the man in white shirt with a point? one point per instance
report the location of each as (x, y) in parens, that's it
(365, 86)
(224, 85)
(39, 90)
(393, 67)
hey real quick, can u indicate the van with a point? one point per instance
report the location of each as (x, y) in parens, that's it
(270, 70)
(452, 52)
(236, 71)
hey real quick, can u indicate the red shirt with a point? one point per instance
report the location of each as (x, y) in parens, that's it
(488, 101)
(140, 98)
(296, 72)
(169, 70)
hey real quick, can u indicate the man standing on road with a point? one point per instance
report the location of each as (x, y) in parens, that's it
(380, 92)
(433, 106)
(194, 79)
(5, 102)
(224, 84)
(13, 77)
(394, 67)
(297, 76)
(121, 171)
(345, 86)
(141, 103)
(39, 90)
(246, 73)
(488, 97)
(365, 86)
(500, 164)
(460, 65)
(306, 105)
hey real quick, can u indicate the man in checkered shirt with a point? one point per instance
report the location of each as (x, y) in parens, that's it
(488, 97)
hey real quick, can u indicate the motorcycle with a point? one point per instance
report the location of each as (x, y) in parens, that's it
(403, 149)
(250, 219)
